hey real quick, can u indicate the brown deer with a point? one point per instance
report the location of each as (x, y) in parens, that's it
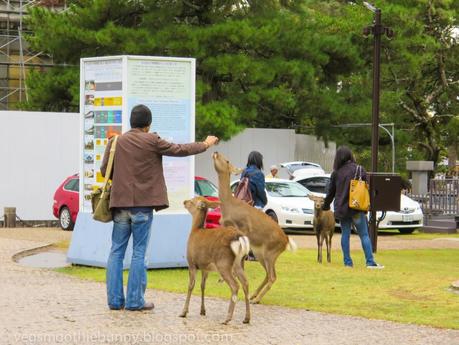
(222, 249)
(267, 239)
(324, 226)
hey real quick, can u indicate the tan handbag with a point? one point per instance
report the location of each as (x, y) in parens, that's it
(100, 198)
(359, 196)
(243, 191)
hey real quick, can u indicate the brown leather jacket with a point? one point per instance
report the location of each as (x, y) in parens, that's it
(138, 178)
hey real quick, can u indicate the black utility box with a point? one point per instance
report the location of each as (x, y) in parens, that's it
(385, 190)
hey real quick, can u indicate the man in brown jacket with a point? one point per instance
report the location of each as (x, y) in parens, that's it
(138, 188)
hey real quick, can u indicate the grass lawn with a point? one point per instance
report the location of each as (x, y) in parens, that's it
(413, 288)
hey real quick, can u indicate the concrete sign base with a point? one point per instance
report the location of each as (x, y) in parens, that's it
(91, 242)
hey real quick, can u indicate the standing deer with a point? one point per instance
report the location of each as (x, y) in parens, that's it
(324, 226)
(222, 249)
(267, 239)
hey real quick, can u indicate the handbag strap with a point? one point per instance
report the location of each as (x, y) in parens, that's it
(358, 171)
(111, 158)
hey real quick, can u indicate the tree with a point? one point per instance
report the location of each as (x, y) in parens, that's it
(420, 85)
(421, 69)
(260, 63)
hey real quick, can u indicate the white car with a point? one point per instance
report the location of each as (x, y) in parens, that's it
(300, 169)
(288, 203)
(408, 219)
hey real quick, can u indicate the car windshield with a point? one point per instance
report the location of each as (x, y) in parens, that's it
(206, 188)
(316, 184)
(286, 189)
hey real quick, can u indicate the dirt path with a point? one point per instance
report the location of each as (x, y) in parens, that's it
(385, 240)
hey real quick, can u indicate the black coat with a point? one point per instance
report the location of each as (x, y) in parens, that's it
(339, 190)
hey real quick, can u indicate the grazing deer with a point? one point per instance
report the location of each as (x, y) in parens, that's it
(222, 249)
(324, 226)
(267, 239)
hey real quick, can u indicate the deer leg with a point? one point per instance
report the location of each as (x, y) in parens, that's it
(271, 269)
(322, 237)
(234, 286)
(240, 274)
(261, 260)
(192, 273)
(329, 237)
(204, 275)
(318, 247)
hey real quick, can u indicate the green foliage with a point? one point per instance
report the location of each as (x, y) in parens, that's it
(55, 90)
(276, 63)
(259, 63)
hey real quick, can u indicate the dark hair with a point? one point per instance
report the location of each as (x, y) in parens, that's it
(140, 116)
(255, 158)
(343, 155)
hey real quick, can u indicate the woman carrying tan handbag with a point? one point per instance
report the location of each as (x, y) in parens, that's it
(347, 208)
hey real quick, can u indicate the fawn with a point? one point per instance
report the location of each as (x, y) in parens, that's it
(267, 239)
(324, 226)
(222, 249)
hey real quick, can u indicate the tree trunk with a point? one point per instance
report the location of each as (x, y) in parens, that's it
(452, 158)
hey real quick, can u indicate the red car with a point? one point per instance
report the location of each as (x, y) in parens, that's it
(66, 201)
(207, 189)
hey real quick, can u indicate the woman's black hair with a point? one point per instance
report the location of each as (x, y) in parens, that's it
(343, 155)
(255, 158)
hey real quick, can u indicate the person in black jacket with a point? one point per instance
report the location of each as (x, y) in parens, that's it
(344, 170)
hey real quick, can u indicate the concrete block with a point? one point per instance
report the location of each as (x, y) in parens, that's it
(91, 242)
(420, 165)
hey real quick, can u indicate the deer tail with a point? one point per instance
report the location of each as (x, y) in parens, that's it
(240, 247)
(291, 245)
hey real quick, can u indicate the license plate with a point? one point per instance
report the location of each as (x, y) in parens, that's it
(407, 218)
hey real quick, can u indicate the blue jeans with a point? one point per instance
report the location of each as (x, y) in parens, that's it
(360, 222)
(136, 221)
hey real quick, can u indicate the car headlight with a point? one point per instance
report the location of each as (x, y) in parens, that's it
(308, 211)
(290, 209)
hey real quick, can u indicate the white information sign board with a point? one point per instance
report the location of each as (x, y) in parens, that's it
(109, 88)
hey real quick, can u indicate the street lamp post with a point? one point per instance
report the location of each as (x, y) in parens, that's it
(377, 30)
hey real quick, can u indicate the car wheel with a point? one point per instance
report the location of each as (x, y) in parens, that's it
(406, 231)
(65, 219)
(273, 215)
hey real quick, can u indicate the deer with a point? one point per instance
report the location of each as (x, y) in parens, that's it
(221, 249)
(324, 226)
(267, 239)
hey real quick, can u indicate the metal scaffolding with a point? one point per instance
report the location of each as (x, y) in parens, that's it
(16, 59)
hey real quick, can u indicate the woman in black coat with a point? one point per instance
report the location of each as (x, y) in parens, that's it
(344, 170)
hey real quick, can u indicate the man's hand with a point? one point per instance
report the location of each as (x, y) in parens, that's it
(211, 141)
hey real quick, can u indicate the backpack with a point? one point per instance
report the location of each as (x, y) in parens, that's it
(243, 192)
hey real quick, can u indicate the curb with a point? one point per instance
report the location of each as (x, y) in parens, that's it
(22, 254)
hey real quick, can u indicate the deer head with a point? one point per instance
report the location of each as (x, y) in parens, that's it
(223, 165)
(318, 201)
(199, 204)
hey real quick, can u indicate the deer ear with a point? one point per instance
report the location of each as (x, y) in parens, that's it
(235, 171)
(311, 197)
(201, 205)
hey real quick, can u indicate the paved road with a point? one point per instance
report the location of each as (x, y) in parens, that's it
(40, 306)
